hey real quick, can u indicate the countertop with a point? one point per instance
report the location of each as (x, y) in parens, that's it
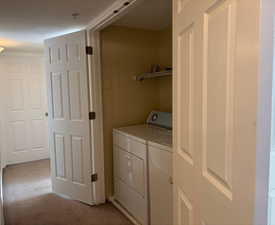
(155, 136)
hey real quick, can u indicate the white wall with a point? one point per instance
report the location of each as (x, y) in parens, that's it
(23, 105)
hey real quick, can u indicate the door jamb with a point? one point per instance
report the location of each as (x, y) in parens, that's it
(264, 110)
(111, 14)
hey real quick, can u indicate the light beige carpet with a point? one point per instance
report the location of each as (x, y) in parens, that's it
(28, 200)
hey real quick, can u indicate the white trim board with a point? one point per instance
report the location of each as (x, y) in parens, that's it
(96, 125)
(264, 110)
(112, 13)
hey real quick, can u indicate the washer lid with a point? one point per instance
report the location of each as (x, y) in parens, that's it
(161, 119)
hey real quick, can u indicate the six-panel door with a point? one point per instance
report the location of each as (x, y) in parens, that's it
(67, 84)
(23, 98)
(214, 137)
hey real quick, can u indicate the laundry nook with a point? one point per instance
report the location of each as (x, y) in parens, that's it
(143, 164)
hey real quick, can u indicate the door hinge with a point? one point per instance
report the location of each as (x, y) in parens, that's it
(94, 177)
(89, 50)
(91, 115)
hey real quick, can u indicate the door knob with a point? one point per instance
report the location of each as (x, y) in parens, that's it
(46, 114)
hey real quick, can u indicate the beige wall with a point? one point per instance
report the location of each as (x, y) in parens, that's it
(165, 58)
(125, 53)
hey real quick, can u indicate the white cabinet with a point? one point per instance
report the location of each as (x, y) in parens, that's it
(130, 175)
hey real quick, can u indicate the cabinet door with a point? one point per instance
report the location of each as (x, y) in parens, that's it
(130, 176)
(130, 169)
(123, 165)
(138, 174)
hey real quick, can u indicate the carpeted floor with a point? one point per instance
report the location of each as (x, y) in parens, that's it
(28, 201)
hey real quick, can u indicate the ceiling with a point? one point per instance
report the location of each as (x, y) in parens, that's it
(24, 24)
(149, 14)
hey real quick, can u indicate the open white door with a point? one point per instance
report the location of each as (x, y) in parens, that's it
(216, 88)
(69, 125)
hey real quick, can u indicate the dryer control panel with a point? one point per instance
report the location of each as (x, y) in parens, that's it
(161, 119)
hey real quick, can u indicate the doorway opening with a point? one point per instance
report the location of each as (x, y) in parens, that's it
(136, 78)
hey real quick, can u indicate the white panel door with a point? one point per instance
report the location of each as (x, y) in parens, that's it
(69, 125)
(214, 122)
(24, 104)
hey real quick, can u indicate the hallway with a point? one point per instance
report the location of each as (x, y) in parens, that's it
(28, 201)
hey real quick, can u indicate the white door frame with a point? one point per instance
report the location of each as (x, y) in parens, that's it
(111, 14)
(264, 117)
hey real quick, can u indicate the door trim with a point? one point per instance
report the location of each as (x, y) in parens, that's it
(95, 88)
(94, 76)
(264, 109)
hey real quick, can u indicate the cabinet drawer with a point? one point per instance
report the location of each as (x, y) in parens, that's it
(121, 140)
(137, 148)
(122, 165)
(138, 175)
(131, 201)
(130, 169)
(130, 144)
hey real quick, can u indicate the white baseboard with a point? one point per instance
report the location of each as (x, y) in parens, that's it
(123, 210)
